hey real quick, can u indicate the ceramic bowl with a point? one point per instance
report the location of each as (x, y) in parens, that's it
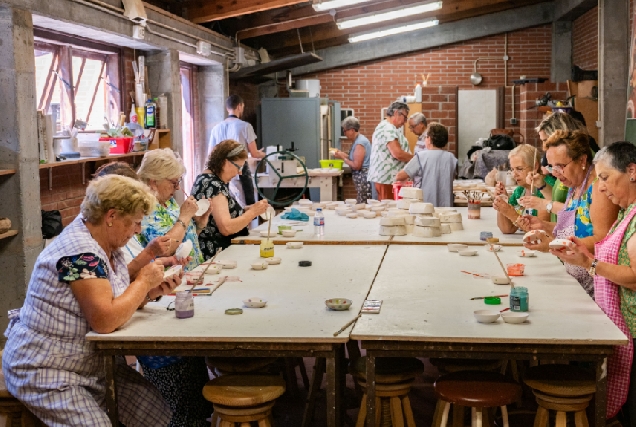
(486, 316)
(283, 227)
(467, 252)
(203, 205)
(273, 260)
(184, 249)
(338, 304)
(268, 214)
(264, 233)
(456, 247)
(260, 265)
(255, 302)
(500, 280)
(288, 233)
(294, 245)
(494, 248)
(515, 269)
(227, 263)
(527, 253)
(514, 317)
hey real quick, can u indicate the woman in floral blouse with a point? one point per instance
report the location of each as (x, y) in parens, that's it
(228, 219)
(80, 283)
(162, 171)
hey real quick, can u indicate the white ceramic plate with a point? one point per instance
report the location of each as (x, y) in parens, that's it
(172, 271)
(184, 250)
(255, 302)
(203, 205)
(269, 214)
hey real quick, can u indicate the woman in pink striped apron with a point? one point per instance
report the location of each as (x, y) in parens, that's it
(613, 267)
(587, 214)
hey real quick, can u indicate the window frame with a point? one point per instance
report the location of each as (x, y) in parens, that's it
(65, 47)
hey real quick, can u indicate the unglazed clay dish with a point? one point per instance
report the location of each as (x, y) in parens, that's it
(255, 302)
(338, 304)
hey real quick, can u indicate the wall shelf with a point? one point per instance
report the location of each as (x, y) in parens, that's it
(7, 171)
(9, 233)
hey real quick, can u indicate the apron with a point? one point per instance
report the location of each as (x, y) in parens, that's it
(608, 298)
(565, 228)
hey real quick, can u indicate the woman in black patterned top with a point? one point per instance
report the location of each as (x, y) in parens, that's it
(228, 219)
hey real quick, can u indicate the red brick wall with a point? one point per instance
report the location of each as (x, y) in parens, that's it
(529, 115)
(249, 93)
(585, 40)
(368, 87)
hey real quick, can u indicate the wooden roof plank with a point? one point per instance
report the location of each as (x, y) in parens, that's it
(201, 12)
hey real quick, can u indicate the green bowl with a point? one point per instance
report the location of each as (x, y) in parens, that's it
(283, 227)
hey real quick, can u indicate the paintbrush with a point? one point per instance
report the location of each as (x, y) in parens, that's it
(493, 296)
(199, 281)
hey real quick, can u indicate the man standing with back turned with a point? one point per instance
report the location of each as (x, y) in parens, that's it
(235, 128)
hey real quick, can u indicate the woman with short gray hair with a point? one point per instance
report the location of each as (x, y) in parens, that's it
(613, 266)
(389, 151)
(358, 157)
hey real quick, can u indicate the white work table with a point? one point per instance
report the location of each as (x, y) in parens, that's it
(343, 230)
(294, 323)
(427, 311)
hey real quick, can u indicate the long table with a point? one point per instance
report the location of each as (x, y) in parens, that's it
(427, 312)
(342, 230)
(295, 322)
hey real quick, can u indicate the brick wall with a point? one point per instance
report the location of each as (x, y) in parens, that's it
(368, 87)
(529, 115)
(585, 40)
(249, 93)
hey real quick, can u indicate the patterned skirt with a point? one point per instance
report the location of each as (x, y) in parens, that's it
(363, 187)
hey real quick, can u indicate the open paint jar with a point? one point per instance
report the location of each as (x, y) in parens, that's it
(474, 209)
(515, 269)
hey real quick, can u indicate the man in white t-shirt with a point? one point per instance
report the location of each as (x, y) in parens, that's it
(235, 128)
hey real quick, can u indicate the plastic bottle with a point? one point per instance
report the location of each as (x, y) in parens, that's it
(151, 114)
(133, 114)
(319, 223)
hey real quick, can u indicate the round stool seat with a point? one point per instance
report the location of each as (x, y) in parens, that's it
(560, 380)
(479, 389)
(243, 390)
(239, 365)
(247, 410)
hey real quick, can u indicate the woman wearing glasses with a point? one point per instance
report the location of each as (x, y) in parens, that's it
(524, 160)
(587, 214)
(228, 219)
(161, 170)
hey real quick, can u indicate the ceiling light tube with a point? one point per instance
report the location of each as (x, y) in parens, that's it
(334, 4)
(389, 15)
(392, 31)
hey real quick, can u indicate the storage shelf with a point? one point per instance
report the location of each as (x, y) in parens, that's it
(9, 233)
(88, 160)
(7, 171)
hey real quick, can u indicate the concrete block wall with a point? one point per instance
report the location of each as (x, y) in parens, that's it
(529, 115)
(585, 40)
(368, 87)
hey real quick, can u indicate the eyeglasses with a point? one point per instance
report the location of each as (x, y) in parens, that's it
(558, 168)
(239, 168)
(518, 169)
(175, 182)
(404, 115)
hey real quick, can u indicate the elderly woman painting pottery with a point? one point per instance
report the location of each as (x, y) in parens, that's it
(358, 157)
(162, 170)
(80, 283)
(612, 264)
(587, 214)
(228, 219)
(522, 161)
(434, 168)
(389, 151)
(179, 379)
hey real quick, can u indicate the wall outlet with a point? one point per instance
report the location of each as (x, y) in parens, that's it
(514, 121)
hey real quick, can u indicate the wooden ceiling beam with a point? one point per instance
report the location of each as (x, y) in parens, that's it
(284, 26)
(213, 10)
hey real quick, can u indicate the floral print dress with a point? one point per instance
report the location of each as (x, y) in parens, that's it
(161, 220)
(208, 185)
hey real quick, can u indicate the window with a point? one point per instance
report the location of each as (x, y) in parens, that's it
(77, 81)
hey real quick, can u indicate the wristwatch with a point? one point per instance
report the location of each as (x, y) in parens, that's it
(548, 207)
(592, 269)
(541, 188)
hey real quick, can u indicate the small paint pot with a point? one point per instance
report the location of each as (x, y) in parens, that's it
(515, 269)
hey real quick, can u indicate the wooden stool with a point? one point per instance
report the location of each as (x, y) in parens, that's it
(239, 365)
(477, 389)
(12, 412)
(446, 365)
(243, 399)
(393, 380)
(561, 388)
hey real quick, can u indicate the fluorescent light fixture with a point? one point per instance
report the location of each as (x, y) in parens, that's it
(389, 15)
(334, 4)
(392, 31)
